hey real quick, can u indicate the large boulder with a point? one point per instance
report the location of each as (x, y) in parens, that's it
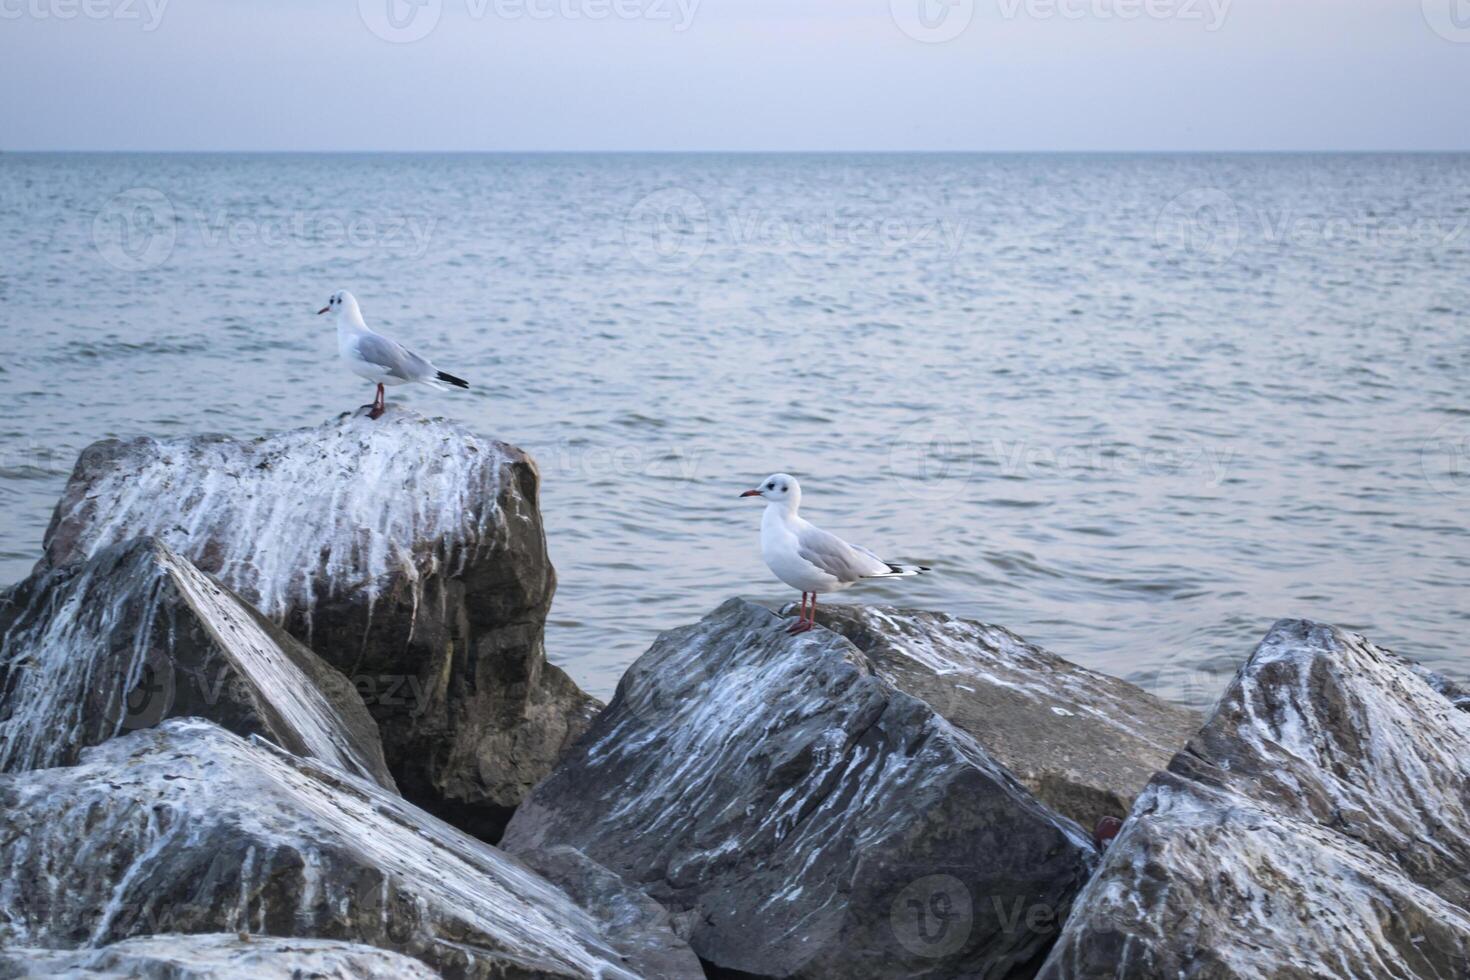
(619, 909)
(1084, 743)
(187, 828)
(215, 956)
(1318, 825)
(137, 634)
(407, 552)
(810, 819)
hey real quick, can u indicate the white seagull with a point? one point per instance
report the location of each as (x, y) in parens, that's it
(807, 558)
(377, 358)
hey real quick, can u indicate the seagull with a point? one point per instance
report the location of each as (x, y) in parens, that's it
(807, 558)
(375, 357)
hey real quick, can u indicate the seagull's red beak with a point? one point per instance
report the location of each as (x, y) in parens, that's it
(751, 493)
(324, 309)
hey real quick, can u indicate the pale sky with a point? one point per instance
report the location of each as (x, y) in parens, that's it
(735, 74)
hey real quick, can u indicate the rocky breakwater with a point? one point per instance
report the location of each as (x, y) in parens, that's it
(803, 817)
(137, 634)
(1084, 743)
(1318, 825)
(186, 828)
(406, 552)
(214, 956)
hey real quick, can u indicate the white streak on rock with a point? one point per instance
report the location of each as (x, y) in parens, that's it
(138, 598)
(216, 956)
(209, 785)
(1317, 825)
(277, 517)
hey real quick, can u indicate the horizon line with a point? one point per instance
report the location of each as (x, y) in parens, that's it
(750, 152)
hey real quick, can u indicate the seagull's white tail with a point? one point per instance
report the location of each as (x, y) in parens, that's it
(900, 571)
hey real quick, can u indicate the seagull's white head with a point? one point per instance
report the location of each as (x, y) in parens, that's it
(778, 488)
(342, 302)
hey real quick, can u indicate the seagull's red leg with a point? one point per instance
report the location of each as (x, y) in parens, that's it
(807, 623)
(378, 405)
(796, 626)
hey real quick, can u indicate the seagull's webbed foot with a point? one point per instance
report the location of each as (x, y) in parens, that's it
(801, 626)
(377, 412)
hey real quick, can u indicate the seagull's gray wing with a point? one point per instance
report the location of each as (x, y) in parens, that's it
(394, 358)
(837, 558)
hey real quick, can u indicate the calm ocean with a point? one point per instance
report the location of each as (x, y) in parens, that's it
(1134, 408)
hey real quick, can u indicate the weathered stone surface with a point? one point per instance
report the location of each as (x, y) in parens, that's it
(407, 552)
(138, 634)
(214, 956)
(1317, 826)
(818, 822)
(187, 828)
(1084, 743)
(620, 909)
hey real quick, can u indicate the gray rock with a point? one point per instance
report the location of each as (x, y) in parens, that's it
(620, 909)
(818, 822)
(186, 828)
(1084, 743)
(138, 634)
(406, 552)
(1317, 826)
(214, 956)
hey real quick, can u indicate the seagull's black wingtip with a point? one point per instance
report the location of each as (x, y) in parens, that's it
(450, 379)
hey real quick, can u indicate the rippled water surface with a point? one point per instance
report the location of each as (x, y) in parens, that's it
(1132, 407)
